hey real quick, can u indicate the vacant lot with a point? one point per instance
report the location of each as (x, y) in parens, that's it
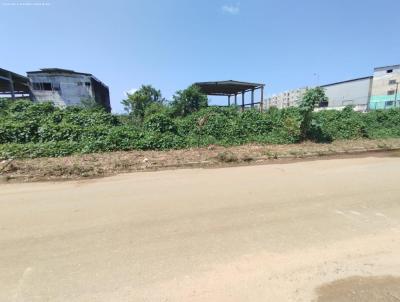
(284, 232)
(110, 163)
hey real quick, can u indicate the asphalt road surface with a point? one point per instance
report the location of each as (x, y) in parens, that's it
(324, 230)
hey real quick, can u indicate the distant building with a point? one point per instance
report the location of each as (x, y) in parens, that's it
(379, 91)
(13, 85)
(286, 99)
(354, 93)
(67, 88)
(385, 87)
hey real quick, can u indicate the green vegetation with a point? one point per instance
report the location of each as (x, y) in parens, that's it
(90, 103)
(39, 130)
(188, 101)
(141, 100)
(311, 98)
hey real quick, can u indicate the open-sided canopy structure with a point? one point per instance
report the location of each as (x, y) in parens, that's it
(232, 88)
(13, 84)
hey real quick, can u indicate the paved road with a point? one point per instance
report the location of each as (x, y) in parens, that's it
(259, 233)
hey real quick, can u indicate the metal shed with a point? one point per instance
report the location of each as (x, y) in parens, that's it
(13, 84)
(233, 89)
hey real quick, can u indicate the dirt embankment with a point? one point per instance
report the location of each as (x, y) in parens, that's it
(107, 164)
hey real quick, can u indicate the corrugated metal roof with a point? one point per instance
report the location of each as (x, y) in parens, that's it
(348, 81)
(387, 67)
(65, 71)
(58, 70)
(229, 87)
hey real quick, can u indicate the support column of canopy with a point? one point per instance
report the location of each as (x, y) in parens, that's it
(11, 86)
(262, 99)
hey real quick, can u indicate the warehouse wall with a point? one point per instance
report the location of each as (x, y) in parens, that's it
(355, 93)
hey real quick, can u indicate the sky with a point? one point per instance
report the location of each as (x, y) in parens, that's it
(171, 44)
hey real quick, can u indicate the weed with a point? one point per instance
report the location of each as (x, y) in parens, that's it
(247, 158)
(227, 157)
(271, 154)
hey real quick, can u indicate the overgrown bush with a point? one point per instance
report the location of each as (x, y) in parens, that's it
(331, 125)
(383, 123)
(160, 122)
(38, 130)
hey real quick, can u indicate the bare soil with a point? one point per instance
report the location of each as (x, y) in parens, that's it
(112, 163)
(380, 288)
(280, 232)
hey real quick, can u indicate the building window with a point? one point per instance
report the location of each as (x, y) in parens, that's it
(47, 86)
(389, 71)
(42, 86)
(36, 86)
(79, 83)
(392, 82)
(391, 92)
(389, 103)
(87, 84)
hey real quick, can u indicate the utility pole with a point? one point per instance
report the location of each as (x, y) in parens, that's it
(395, 96)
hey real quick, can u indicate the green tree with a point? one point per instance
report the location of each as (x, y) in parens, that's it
(137, 103)
(156, 108)
(188, 101)
(311, 98)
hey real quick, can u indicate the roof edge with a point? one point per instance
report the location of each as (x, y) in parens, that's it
(17, 75)
(347, 81)
(58, 70)
(386, 67)
(229, 82)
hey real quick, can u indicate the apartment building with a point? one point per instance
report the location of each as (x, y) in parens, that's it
(379, 91)
(385, 88)
(286, 99)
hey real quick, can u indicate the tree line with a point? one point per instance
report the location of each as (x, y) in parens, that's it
(148, 100)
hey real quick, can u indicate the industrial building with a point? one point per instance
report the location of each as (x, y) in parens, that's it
(379, 91)
(385, 87)
(354, 93)
(66, 87)
(13, 85)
